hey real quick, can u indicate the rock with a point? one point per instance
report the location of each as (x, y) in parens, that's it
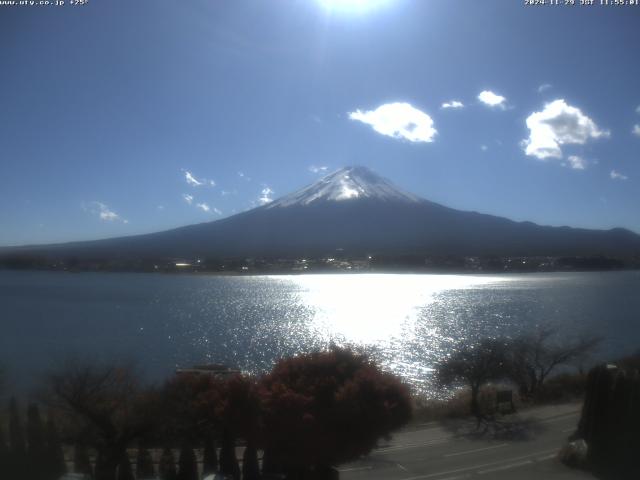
(574, 454)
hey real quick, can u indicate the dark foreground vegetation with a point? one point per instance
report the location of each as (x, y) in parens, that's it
(310, 413)
(610, 423)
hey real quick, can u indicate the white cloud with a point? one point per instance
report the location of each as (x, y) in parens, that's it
(617, 175)
(315, 169)
(202, 205)
(191, 180)
(266, 196)
(242, 175)
(544, 87)
(576, 162)
(104, 212)
(484, 148)
(452, 104)
(492, 99)
(638, 109)
(109, 216)
(398, 120)
(636, 130)
(556, 125)
(195, 182)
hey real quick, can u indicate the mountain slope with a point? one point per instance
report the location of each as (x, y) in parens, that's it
(358, 212)
(349, 183)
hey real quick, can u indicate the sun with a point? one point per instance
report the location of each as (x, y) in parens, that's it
(351, 6)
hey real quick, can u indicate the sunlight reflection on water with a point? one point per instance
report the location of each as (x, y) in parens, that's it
(375, 308)
(407, 322)
(387, 315)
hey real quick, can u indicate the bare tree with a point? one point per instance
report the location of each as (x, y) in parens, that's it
(534, 356)
(474, 366)
(104, 406)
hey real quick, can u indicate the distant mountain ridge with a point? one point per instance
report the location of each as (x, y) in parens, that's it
(355, 211)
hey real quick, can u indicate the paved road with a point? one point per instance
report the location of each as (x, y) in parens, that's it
(522, 446)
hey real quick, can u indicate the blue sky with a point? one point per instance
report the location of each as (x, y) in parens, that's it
(125, 117)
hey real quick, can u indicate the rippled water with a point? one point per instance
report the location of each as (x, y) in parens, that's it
(409, 322)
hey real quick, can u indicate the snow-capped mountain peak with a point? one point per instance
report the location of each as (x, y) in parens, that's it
(346, 184)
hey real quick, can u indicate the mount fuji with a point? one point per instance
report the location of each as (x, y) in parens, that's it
(355, 211)
(348, 183)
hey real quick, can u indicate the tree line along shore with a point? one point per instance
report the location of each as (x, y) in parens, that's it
(338, 261)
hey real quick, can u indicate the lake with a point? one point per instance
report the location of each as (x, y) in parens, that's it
(407, 321)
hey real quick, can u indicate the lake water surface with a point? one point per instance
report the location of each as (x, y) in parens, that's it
(408, 321)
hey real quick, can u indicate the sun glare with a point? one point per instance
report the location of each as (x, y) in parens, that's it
(351, 6)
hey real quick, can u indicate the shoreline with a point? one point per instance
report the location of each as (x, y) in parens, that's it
(323, 272)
